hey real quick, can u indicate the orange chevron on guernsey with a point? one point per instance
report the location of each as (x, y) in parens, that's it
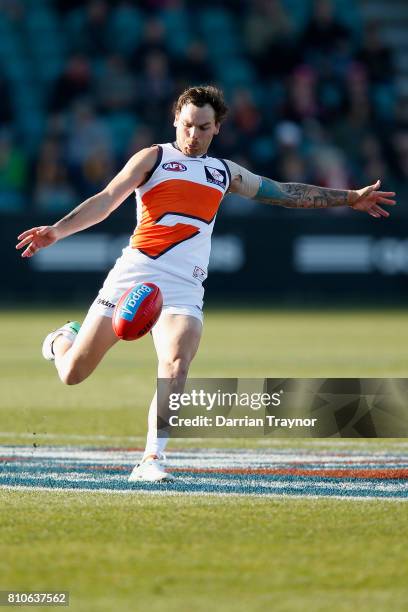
(186, 198)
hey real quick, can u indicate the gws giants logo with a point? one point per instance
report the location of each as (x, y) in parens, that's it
(174, 166)
(199, 273)
(215, 176)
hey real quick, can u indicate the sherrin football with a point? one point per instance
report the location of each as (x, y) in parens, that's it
(137, 311)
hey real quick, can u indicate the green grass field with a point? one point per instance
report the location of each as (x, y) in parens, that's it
(114, 400)
(145, 552)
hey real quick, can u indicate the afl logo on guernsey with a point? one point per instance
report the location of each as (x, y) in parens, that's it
(174, 166)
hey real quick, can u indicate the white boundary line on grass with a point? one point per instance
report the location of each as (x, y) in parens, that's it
(344, 442)
(56, 436)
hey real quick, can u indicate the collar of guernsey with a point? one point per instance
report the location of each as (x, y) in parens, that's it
(178, 203)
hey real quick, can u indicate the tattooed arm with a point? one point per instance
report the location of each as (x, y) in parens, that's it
(298, 195)
(94, 209)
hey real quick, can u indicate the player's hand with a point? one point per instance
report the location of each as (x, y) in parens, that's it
(37, 238)
(368, 200)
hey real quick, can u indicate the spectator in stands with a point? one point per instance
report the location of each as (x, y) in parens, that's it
(73, 83)
(13, 173)
(330, 93)
(156, 5)
(315, 77)
(227, 142)
(15, 11)
(301, 95)
(245, 114)
(329, 167)
(375, 55)
(53, 190)
(6, 114)
(292, 167)
(194, 66)
(153, 41)
(377, 60)
(371, 159)
(269, 38)
(359, 104)
(289, 161)
(156, 88)
(87, 135)
(88, 150)
(399, 151)
(374, 168)
(142, 137)
(95, 34)
(115, 87)
(400, 117)
(126, 26)
(324, 33)
(95, 172)
(352, 125)
(65, 6)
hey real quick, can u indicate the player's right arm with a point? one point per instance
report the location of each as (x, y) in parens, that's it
(93, 210)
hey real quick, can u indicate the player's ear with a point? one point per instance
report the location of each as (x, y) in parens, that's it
(175, 122)
(217, 128)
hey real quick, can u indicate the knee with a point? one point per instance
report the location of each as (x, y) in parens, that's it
(174, 368)
(72, 375)
(70, 378)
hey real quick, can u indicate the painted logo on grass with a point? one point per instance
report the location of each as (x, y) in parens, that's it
(284, 473)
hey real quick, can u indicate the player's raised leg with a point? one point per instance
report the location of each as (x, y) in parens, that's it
(176, 339)
(77, 352)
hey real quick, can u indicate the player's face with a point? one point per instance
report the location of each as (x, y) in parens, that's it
(196, 128)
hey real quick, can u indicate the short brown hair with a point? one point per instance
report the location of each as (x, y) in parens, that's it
(202, 95)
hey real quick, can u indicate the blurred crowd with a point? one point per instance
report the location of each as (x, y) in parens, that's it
(311, 93)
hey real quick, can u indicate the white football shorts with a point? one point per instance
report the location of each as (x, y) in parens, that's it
(180, 295)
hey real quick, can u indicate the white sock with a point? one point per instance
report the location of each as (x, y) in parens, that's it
(154, 444)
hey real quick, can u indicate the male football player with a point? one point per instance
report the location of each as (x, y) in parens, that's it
(179, 188)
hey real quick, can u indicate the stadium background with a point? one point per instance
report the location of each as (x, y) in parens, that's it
(317, 92)
(82, 86)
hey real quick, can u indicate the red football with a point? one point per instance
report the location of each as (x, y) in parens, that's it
(137, 311)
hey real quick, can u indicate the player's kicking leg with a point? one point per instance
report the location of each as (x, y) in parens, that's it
(176, 339)
(77, 350)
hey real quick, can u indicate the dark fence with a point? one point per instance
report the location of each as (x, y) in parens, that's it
(289, 258)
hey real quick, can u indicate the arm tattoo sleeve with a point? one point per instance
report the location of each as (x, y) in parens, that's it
(298, 195)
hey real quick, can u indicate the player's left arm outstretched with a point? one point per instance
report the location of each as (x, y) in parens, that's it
(298, 195)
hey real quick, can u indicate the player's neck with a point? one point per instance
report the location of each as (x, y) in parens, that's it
(176, 146)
